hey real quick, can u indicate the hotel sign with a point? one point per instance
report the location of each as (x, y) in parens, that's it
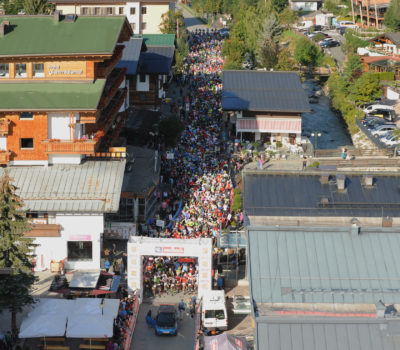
(66, 69)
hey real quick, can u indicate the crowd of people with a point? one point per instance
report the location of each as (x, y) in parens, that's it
(166, 275)
(198, 202)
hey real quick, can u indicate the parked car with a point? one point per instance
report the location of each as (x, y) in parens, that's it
(372, 122)
(374, 107)
(311, 35)
(330, 43)
(224, 32)
(166, 320)
(382, 129)
(389, 139)
(384, 114)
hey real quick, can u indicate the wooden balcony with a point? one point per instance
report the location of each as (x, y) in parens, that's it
(108, 114)
(43, 230)
(114, 81)
(4, 123)
(70, 146)
(105, 68)
(5, 157)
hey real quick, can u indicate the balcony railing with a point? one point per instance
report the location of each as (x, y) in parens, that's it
(71, 146)
(104, 68)
(5, 157)
(4, 123)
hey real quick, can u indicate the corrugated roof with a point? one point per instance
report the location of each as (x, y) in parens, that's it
(394, 37)
(42, 35)
(51, 96)
(91, 187)
(157, 39)
(323, 265)
(156, 60)
(342, 334)
(131, 54)
(301, 195)
(263, 91)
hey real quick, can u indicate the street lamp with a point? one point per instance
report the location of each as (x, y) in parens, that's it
(316, 135)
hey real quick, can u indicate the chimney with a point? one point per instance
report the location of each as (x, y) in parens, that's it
(355, 230)
(368, 180)
(57, 15)
(324, 179)
(380, 309)
(341, 182)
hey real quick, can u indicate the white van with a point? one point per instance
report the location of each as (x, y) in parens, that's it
(372, 108)
(213, 311)
(347, 24)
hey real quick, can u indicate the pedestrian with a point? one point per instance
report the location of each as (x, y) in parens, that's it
(181, 308)
(107, 265)
(304, 162)
(220, 283)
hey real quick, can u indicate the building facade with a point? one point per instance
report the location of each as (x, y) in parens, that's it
(61, 96)
(372, 13)
(143, 16)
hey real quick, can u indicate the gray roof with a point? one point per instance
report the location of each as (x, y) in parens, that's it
(131, 54)
(328, 334)
(301, 194)
(395, 37)
(323, 265)
(263, 91)
(157, 60)
(142, 177)
(91, 187)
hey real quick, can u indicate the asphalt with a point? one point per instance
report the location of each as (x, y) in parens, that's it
(191, 22)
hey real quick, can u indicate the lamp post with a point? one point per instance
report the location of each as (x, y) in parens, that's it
(316, 135)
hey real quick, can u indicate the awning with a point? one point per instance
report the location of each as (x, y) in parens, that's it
(269, 125)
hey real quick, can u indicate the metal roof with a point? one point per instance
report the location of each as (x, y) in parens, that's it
(263, 91)
(131, 54)
(328, 334)
(91, 187)
(323, 265)
(394, 37)
(157, 39)
(157, 59)
(302, 195)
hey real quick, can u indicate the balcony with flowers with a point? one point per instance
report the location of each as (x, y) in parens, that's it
(4, 124)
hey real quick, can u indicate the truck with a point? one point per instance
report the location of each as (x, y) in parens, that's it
(214, 316)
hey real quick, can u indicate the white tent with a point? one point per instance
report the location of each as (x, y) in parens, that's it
(89, 319)
(47, 319)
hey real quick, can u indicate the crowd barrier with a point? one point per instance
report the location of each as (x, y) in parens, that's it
(132, 324)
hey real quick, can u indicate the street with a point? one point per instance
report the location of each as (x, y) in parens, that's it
(191, 22)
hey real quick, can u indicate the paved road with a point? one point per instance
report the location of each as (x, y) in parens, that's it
(191, 22)
(145, 339)
(337, 52)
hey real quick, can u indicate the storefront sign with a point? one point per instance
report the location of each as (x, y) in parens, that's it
(80, 237)
(117, 149)
(160, 223)
(66, 69)
(170, 250)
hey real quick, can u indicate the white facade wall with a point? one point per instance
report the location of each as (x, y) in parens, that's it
(304, 6)
(153, 17)
(73, 228)
(3, 142)
(65, 158)
(142, 86)
(133, 18)
(58, 126)
(392, 95)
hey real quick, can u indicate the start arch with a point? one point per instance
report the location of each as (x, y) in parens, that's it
(139, 246)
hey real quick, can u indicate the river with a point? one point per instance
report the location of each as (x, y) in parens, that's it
(323, 120)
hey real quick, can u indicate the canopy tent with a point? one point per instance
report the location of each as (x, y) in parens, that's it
(47, 319)
(84, 279)
(92, 318)
(225, 341)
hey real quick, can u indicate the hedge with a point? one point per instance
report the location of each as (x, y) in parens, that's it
(388, 76)
(237, 200)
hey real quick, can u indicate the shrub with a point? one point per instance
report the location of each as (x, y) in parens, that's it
(278, 144)
(388, 76)
(237, 200)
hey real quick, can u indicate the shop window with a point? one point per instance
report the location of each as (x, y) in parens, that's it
(26, 115)
(27, 143)
(144, 26)
(144, 10)
(109, 10)
(97, 11)
(133, 11)
(121, 10)
(80, 250)
(84, 11)
(20, 70)
(38, 70)
(4, 70)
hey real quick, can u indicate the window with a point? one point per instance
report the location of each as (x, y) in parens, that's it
(144, 10)
(142, 77)
(109, 10)
(84, 11)
(133, 26)
(144, 25)
(27, 143)
(97, 11)
(26, 115)
(79, 250)
(121, 10)
(38, 70)
(133, 10)
(4, 70)
(218, 314)
(20, 70)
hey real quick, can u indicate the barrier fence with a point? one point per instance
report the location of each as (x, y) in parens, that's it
(132, 324)
(197, 328)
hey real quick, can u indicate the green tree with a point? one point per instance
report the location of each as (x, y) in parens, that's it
(306, 53)
(286, 61)
(288, 17)
(352, 69)
(353, 42)
(15, 252)
(169, 22)
(37, 7)
(12, 7)
(267, 53)
(366, 89)
(392, 16)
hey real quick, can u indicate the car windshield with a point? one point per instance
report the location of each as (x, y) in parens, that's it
(166, 319)
(218, 314)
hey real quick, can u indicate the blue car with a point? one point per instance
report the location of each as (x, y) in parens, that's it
(166, 320)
